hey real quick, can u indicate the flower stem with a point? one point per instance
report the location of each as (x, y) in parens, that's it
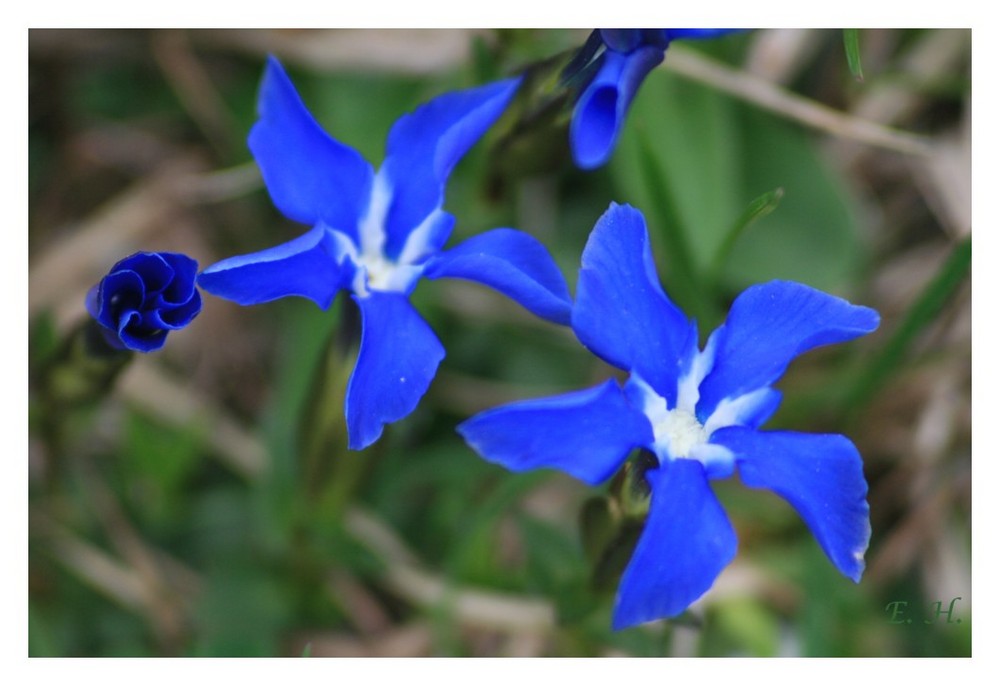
(330, 472)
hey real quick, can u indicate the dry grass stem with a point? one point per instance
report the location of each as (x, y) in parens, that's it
(771, 97)
(110, 577)
(406, 640)
(779, 55)
(149, 389)
(469, 606)
(116, 229)
(195, 90)
(396, 51)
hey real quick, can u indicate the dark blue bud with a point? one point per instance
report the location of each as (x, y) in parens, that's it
(143, 297)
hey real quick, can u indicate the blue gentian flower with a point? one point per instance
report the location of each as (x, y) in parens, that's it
(375, 234)
(698, 411)
(143, 297)
(628, 56)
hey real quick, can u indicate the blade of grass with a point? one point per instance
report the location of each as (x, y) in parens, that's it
(758, 208)
(852, 48)
(922, 314)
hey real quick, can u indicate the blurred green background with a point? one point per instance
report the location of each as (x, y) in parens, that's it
(183, 514)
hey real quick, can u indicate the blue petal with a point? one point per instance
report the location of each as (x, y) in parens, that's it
(621, 312)
(308, 266)
(821, 476)
(397, 361)
(156, 273)
(93, 301)
(138, 334)
(769, 325)
(424, 146)
(600, 111)
(127, 289)
(686, 543)
(175, 316)
(513, 263)
(673, 34)
(310, 176)
(587, 434)
(181, 287)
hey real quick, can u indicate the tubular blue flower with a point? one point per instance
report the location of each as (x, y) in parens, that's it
(143, 297)
(628, 57)
(375, 234)
(698, 411)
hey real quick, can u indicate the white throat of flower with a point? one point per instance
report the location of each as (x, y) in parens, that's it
(677, 433)
(374, 271)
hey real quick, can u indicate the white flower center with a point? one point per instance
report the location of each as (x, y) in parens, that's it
(375, 272)
(378, 270)
(679, 431)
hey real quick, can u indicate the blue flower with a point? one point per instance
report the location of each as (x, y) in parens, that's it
(375, 234)
(698, 411)
(629, 55)
(143, 297)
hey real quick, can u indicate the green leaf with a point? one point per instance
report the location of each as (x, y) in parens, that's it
(749, 625)
(474, 553)
(159, 462)
(686, 288)
(555, 568)
(301, 354)
(360, 110)
(691, 159)
(43, 640)
(43, 339)
(852, 48)
(693, 134)
(241, 612)
(814, 239)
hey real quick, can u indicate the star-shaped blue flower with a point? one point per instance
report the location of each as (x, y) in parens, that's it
(698, 411)
(628, 56)
(375, 234)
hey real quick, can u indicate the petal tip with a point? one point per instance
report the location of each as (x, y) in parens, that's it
(595, 127)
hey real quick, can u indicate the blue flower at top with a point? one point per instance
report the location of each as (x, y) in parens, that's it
(698, 411)
(629, 55)
(143, 297)
(375, 234)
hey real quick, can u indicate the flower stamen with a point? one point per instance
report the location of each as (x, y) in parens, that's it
(680, 432)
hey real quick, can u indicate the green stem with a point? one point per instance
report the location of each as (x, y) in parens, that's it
(330, 472)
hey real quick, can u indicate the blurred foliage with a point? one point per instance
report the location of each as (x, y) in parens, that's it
(154, 532)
